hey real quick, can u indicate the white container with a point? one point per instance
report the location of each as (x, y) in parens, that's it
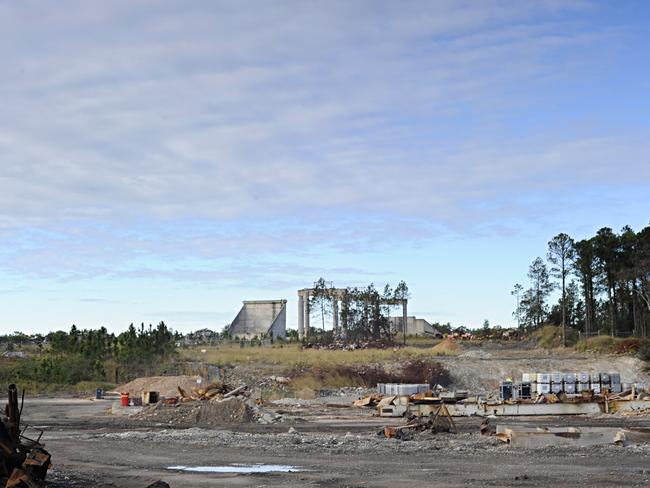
(556, 388)
(615, 378)
(595, 388)
(570, 388)
(543, 378)
(543, 388)
(569, 378)
(528, 377)
(557, 378)
(583, 378)
(583, 387)
(605, 380)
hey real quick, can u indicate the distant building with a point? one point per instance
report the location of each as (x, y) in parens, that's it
(260, 318)
(414, 327)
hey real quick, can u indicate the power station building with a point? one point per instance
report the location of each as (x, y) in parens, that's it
(414, 327)
(261, 318)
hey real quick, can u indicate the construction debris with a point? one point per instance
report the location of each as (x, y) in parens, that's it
(400, 400)
(440, 421)
(367, 401)
(214, 404)
(531, 437)
(210, 391)
(486, 428)
(23, 461)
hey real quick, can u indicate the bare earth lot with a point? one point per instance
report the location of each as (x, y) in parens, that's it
(334, 447)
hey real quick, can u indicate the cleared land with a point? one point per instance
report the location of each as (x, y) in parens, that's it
(331, 444)
(334, 448)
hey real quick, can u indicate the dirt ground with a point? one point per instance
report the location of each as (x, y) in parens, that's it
(332, 447)
(481, 369)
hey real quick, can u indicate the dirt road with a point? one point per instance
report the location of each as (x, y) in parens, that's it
(335, 449)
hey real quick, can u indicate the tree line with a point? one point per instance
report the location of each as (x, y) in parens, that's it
(604, 284)
(97, 355)
(364, 313)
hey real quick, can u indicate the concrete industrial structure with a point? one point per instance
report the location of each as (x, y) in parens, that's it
(262, 318)
(337, 293)
(414, 327)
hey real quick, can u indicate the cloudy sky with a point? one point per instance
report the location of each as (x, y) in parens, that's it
(165, 160)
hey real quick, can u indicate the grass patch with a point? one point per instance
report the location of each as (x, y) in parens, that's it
(314, 369)
(550, 336)
(288, 355)
(420, 341)
(362, 375)
(601, 344)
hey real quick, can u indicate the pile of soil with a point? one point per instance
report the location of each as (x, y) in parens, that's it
(446, 348)
(208, 413)
(228, 411)
(166, 386)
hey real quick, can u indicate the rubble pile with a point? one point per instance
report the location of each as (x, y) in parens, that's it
(212, 405)
(351, 346)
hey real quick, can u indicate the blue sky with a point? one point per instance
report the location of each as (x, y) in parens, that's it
(165, 160)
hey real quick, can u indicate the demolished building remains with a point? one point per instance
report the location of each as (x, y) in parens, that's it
(261, 318)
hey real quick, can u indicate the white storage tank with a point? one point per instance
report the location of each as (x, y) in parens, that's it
(594, 378)
(605, 380)
(583, 377)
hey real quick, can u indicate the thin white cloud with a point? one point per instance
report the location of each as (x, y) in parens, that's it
(135, 116)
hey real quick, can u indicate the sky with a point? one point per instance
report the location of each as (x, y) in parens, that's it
(166, 160)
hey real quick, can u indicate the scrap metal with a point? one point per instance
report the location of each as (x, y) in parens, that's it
(23, 461)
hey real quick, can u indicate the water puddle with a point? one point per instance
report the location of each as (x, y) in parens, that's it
(239, 468)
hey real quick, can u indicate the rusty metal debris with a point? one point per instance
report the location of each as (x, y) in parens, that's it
(486, 428)
(438, 421)
(208, 392)
(367, 401)
(23, 461)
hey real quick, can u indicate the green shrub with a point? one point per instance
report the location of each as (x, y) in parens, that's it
(601, 343)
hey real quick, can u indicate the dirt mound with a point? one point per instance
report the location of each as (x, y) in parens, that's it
(166, 386)
(483, 374)
(209, 413)
(446, 348)
(228, 411)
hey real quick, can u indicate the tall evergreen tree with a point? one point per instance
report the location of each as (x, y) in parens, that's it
(606, 249)
(561, 251)
(535, 298)
(584, 266)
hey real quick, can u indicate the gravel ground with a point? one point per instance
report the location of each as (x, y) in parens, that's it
(333, 448)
